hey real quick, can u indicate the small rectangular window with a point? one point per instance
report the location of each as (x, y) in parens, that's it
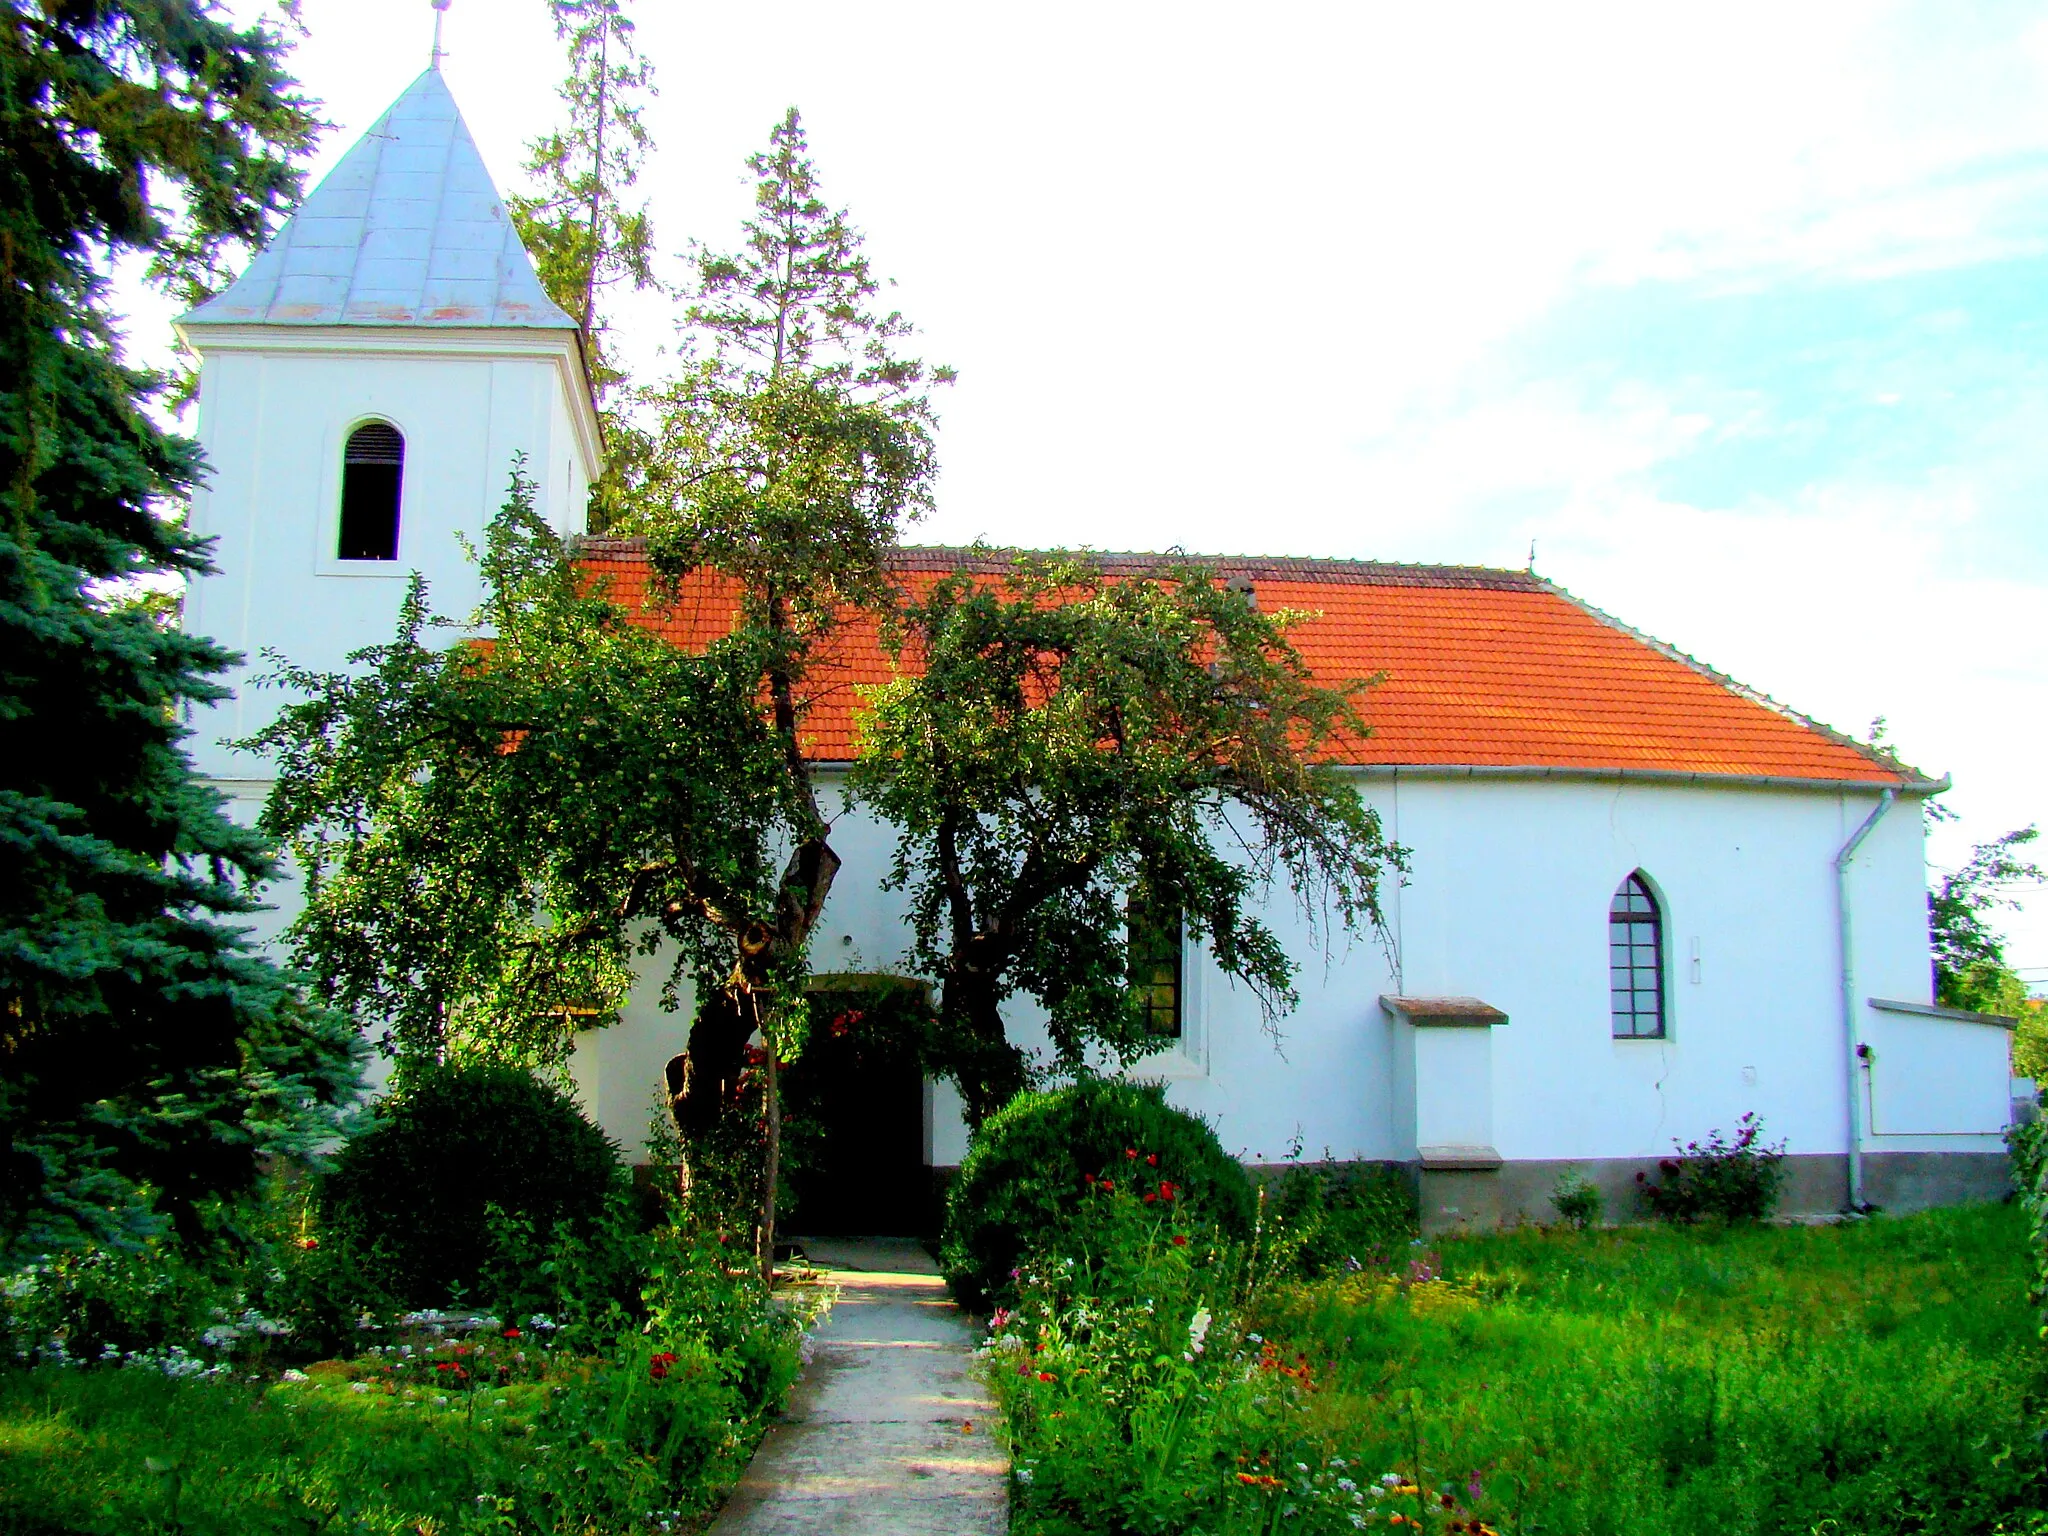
(1155, 951)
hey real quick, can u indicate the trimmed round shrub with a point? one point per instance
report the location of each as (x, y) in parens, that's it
(413, 1194)
(1018, 1191)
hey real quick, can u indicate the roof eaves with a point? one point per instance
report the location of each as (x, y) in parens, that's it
(1685, 777)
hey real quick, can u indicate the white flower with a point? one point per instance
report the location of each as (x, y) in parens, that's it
(359, 1386)
(295, 1375)
(1198, 1329)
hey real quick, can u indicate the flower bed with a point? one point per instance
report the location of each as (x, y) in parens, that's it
(1882, 1377)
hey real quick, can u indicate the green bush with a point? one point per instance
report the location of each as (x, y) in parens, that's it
(1578, 1201)
(1019, 1188)
(1719, 1179)
(2028, 1146)
(1330, 1217)
(464, 1162)
(1134, 1397)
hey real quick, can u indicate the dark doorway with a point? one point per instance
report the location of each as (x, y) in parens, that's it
(853, 1113)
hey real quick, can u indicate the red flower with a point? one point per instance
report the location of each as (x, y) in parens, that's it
(1150, 1197)
(1107, 1186)
(1258, 1480)
(309, 1242)
(511, 1333)
(1179, 1241)
(1131, 1153)
(1045, 1376)
(658, 1366)
(1152, 1160)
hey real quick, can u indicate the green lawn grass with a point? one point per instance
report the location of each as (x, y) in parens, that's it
(1884, 1376)
(353, 1450)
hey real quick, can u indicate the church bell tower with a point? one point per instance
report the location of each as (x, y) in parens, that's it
(365, 389)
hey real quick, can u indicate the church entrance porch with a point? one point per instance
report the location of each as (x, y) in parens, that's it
(854, 1153)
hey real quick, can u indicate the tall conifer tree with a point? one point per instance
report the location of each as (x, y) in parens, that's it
(148, 1059)
(578, 225)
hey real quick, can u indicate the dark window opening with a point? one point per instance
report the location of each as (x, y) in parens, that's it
(1154, 939)
(1635, 961)
(372, 476)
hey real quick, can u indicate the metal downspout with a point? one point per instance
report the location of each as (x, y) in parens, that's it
(1852, 1043)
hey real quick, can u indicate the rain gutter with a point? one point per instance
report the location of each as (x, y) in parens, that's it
(1853, 1045)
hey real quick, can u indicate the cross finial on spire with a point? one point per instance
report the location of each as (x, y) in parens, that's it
(440, 10)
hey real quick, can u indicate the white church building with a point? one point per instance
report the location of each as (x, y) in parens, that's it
(1644, 900)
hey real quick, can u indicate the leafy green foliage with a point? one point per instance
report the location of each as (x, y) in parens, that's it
(789, 451)
(1075, 741)
(1726, 1179)
(1970, 969)
(1578, 1201)
(1136, 1398)
(509, 1426)
(1339, 1217)
(798, 441)
(578, 226)
(449, 1162)
(2028, 1146)
(489, 832)
(151, 1060)
(1033, 1163)
(1642, 1381)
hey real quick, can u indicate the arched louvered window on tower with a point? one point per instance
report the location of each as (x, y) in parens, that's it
(1635, 961)
(372, 478)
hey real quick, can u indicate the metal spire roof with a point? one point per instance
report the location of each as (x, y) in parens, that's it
(407, 230)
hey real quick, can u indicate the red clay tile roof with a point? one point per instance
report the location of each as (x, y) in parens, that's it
(1484, 669)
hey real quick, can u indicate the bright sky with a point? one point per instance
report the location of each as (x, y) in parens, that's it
(1738, 311)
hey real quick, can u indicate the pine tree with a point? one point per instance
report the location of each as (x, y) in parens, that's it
(790, 453)
(148, 1059)
(582, 233)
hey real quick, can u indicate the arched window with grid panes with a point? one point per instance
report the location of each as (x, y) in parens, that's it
(1635, 961)
(372, 484)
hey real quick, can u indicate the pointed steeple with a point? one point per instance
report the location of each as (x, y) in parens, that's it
(407, 230)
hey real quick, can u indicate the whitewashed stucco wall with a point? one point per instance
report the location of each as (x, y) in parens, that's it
(1507, 901)
(275, 412)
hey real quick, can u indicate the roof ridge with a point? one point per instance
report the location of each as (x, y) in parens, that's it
(994, 558)
(1911, 777)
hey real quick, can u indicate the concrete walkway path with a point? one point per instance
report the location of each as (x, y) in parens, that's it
(888, 1432)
